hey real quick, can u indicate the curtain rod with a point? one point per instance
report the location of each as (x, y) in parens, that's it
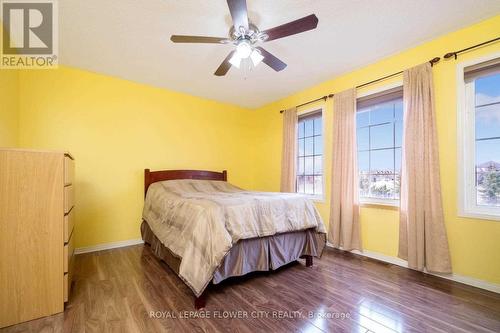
(432, 62)
(314, 100)
(456, 53)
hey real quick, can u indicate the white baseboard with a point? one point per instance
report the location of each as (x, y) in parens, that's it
(108, 246)
(453, 277)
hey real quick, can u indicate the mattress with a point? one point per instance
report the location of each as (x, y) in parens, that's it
(200, 221)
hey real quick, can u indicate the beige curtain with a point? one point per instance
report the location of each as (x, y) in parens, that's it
(422, 233)
(344, 230)
(289, 151)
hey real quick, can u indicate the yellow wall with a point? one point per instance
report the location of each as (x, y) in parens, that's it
(474, 243)
(115, 129)
(9, 108)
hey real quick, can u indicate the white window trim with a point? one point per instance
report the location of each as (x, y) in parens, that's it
(378, 201)
(313, 197)
(467, 206)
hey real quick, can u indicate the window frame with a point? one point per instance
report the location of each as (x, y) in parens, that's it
(466, 150)
(367, 201)
(321, 110)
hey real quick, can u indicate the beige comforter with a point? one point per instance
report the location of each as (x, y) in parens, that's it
(200, 220)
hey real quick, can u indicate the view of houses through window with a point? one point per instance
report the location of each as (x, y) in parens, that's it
(379, 130)
(310, 154)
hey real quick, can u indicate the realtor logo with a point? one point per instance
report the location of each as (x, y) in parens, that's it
(29, 36)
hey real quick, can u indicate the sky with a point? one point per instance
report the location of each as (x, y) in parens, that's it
(488, 118)
(382, 127)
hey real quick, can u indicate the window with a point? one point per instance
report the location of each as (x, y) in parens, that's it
(379, 130)
(479, 134)
(310, 154)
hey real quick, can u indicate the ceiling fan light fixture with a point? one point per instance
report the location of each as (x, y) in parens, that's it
(256, 57)
(243, 50)
(244, 36)
(235, 60)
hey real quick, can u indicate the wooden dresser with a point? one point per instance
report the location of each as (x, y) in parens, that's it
(36, 233)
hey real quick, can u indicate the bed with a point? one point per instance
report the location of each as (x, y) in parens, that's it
(207, 230)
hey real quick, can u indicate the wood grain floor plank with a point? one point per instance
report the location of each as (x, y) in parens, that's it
(130, 290)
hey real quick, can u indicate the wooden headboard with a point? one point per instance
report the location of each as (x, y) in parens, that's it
(151, 177)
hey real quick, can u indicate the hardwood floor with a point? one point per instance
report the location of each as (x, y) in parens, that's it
(115, 291)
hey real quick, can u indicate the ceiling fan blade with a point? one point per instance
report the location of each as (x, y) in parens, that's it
(271, 60)
(224, 67)
(239, 13)
(198, 39)
(291, 28)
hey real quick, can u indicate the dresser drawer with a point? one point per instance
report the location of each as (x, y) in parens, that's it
(69, 223)
(69, 198)
(68, 278)
(69, 170)
(66, 286)
(69, 250)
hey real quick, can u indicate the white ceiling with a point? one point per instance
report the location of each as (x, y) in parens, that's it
(130, 39)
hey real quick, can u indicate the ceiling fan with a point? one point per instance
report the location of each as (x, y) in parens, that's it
(245, 36)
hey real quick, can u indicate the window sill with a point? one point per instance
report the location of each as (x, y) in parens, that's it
(479, 215)
(380, 204)
(314, 198)
(318, 200)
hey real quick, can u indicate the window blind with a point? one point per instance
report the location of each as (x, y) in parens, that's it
(378, 98)
(485, 68)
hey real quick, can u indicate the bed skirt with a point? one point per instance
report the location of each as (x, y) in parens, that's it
(249, 255)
